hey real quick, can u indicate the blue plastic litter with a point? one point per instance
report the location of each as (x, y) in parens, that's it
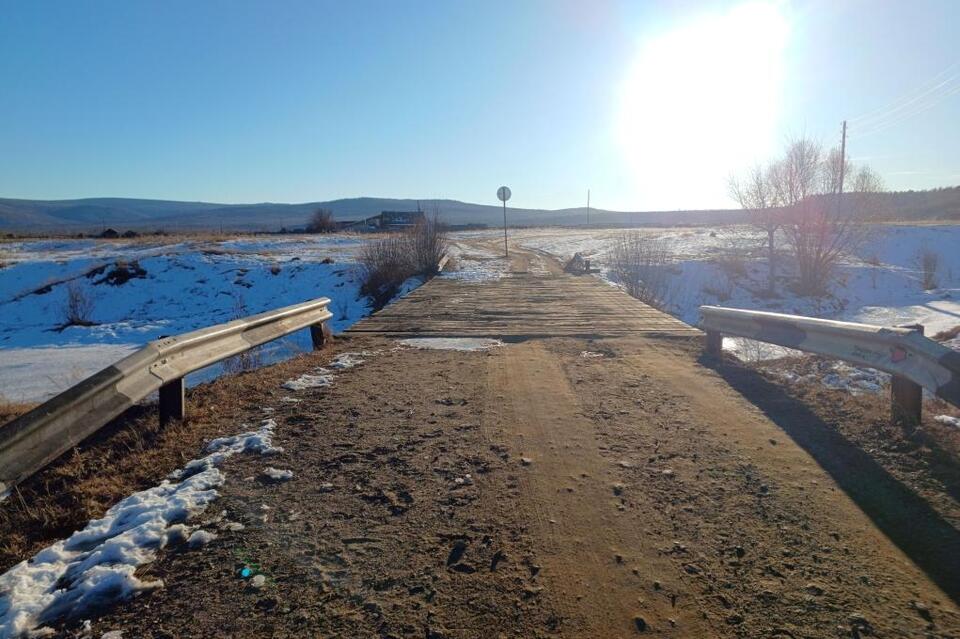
(245, 572)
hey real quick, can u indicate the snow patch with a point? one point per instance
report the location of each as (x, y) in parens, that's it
(200, 538)
(320, 379)
(275, 474)
(350, 359)
(947, 420)
(452, 343)
(95, 566)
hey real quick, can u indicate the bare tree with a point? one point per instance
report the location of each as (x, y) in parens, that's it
(755, 194)
(820, 229)
(321, 222)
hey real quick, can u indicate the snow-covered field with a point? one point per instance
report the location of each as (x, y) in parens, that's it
(881, 285)
(185, 286)
(190, 284)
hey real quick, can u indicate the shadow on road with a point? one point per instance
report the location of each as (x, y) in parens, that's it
(906, 518)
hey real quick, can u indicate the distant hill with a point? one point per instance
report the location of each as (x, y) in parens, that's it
(94, 214)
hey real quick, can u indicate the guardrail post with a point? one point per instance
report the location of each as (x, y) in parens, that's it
(173, 403)
(906, 396)
(714, 343)
(320, 334)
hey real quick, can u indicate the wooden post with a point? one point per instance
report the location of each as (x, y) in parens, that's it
(714, 343)
(320, 334)
(173, 402)
(906, 397)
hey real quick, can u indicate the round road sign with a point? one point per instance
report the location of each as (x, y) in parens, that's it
(503, 193)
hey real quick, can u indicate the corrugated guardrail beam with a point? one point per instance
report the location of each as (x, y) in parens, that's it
(903, 352)
(33, 440)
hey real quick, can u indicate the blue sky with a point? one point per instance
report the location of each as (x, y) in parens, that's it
(650, 105)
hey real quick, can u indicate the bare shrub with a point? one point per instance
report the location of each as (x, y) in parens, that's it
(78, 306)
(386, 263)
(642, 265)
(427, 242)
(950, 333)
(928, 261)
(321, 221)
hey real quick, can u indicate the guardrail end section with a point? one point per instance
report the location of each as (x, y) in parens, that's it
(320, 335)
(173, 402)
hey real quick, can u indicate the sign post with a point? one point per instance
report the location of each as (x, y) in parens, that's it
(503, 194)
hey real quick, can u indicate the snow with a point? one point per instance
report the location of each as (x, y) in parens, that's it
(96, 565)
(880, 285)
(452, 343)
(947, 420)
(320, 378)
(29, 374)
(188, 285)
(275, 474)
(200, 538)
(474, 264)
(350, 359)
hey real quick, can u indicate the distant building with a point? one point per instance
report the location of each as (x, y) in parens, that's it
(109, 234)
(387, 221)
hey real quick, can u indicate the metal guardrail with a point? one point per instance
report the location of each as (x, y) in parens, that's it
(914, 361)
(36, 438)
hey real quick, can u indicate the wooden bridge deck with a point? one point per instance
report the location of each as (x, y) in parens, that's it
(521, 304)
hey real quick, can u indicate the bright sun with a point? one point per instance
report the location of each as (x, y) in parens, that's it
(701, 102)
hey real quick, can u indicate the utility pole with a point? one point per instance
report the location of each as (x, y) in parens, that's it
(588, 207)
(843, 155)
(843, 166)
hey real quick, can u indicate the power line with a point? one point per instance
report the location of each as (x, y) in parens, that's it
(907, 98)
(909, 105)
(871, 129)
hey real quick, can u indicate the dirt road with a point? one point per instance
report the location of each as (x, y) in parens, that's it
(569, 485)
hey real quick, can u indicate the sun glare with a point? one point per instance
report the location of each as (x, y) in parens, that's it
(700, 102)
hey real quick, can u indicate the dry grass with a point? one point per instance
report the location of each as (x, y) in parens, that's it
(132, 453)
(11, 410)
(948, 334)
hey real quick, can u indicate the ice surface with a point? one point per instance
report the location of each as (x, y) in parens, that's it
(452, 343)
